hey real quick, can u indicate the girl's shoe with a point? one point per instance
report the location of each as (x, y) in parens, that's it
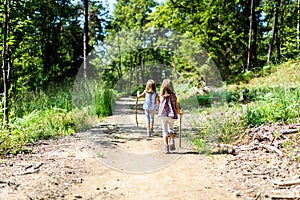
(148, 131)
(166, 149)
(148, 134)
(172, 144)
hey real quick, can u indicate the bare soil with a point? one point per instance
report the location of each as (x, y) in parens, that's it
(114, 160)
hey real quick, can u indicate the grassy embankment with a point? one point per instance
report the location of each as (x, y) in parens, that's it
(273, 96)
(49, 113)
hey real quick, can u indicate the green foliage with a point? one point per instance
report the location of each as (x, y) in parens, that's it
(27, 101)
(266, 105)
(204, 100)
(104, 102)
(41, 115)
(244, 77)
(40, 125)
(262, 106)
(279, 104)
(200, 145)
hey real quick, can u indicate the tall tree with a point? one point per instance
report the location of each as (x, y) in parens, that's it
(5, 60)
(298, 27)
(85, 36)
(274, 30)
(250, 34)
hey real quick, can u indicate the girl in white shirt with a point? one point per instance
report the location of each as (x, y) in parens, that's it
(150, 102)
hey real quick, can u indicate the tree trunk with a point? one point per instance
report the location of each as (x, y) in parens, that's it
(5, 62)
(141, 58)
(131, 72)
(298, 27)
(250, 36)
(274, 29)
(137, 68)
(255, 30)
(85, 38)
(279, 33)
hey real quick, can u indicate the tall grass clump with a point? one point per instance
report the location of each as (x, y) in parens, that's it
(217, 126)
(25, 102)
(91, 95)
(104, 102)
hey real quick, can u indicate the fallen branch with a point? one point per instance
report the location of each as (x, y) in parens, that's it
(268, 147)
(258, 196)
(38, 166)
(295, 126)
(287, 183)
(285, 197)
(7, 182)
(29, 166)
(289, 131)
(27, 172)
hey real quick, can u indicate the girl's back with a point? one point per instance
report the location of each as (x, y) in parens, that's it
(150, 101)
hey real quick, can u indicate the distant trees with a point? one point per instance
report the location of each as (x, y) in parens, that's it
(237, 34)
(42, 42)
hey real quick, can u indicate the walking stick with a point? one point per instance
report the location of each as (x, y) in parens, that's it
(136, 104)
(180, 121)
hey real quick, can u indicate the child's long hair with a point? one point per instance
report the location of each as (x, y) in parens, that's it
(166, 88)
(151, 86)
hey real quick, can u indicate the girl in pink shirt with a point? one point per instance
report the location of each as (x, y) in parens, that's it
(168, 111)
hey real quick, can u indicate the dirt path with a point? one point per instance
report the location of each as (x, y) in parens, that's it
(114, 160)
(127, 165)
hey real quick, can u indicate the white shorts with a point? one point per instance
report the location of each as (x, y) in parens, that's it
(167, 125)
(149, 116)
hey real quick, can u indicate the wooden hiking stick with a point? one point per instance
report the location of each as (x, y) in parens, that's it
(136, 105)
(180, 122)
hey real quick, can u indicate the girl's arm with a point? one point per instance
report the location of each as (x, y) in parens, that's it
(177, 107)
(157, 99)
(141, 95)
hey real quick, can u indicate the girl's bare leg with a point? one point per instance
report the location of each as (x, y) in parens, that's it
(166, 144)
(172, 142)
(148, 130)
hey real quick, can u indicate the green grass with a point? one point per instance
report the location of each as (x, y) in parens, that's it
(54, 96)
(279, 104)
(40, 125)
(45, 114)
(104, 99)
(286, 75)
(263, 100)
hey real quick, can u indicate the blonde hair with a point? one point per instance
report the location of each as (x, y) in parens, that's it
(151, 86)
(167, 88)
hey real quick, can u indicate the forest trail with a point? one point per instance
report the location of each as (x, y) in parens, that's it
(127, 165)
(114, 160)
